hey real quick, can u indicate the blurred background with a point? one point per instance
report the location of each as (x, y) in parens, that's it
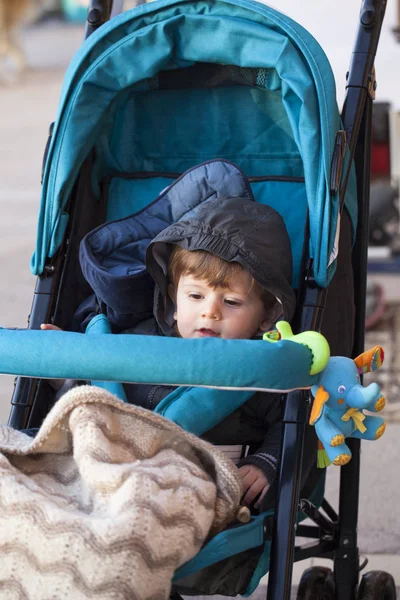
(48, 33)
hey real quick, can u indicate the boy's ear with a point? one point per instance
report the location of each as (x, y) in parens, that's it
(271, 316)
(172, 295)
(265, 326)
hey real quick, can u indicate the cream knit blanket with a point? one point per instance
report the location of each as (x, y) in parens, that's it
(106, 502)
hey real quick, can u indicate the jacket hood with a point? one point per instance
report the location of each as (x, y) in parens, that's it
(236, 230)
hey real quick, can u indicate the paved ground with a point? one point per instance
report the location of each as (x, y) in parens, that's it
(25, 112)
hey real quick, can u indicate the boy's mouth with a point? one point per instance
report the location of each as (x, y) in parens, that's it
(204, 332)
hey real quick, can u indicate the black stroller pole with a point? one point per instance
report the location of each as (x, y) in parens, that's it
(346, 564)
(361, 82)
(296, 416)
(99, 12)
(282, 548)
(356, 118)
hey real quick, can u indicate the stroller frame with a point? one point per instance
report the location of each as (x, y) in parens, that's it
(334, 535)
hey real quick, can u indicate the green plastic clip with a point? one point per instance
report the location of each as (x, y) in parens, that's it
(314, 341)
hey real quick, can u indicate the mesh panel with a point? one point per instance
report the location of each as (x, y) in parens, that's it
(209, 75)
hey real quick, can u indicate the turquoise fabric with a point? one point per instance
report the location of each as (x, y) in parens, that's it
(246, 125)
(126, 196)
(261, 570)
(120, 62)
(225, 364)
(197, 410)
(293, 212)
(100, 324)
(226, 544)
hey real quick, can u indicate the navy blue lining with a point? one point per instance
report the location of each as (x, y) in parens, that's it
(112, 256)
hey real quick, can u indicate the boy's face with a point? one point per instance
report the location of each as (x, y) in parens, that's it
(236, 312)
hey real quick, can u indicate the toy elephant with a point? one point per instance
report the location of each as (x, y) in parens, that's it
(339, 401)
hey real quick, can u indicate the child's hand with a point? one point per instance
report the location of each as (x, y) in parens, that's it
(254, 483)
(49, 327)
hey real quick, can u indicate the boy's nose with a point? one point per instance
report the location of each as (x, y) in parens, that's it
(212, 311)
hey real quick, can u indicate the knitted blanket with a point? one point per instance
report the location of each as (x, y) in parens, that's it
(106, 502)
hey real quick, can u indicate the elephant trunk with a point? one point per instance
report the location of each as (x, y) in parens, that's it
(362, 397)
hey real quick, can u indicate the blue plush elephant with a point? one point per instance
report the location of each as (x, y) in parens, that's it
(339, 401)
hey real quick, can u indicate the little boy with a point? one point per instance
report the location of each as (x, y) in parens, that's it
(224, 272)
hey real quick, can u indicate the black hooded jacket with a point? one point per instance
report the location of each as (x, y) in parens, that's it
(236, 230)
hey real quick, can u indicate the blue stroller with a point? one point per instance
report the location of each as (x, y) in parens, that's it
(155, 91)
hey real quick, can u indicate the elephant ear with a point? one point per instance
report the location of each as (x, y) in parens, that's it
(370, 360)
(320, 398)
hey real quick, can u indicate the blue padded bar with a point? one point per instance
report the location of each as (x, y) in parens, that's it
(227, 364)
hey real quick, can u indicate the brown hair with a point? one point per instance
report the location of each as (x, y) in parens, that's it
(210, 268)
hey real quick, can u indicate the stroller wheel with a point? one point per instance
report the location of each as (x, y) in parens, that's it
(316, 583)
(377, 585)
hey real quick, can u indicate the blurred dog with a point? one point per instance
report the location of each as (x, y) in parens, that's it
(13, 14)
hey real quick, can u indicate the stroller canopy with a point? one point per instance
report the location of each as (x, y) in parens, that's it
(127, 96)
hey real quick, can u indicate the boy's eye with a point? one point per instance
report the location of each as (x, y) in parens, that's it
(195, 296)
(230, 302)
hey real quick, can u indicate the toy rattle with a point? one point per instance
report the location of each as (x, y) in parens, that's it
(339, 396)
(339, 400)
